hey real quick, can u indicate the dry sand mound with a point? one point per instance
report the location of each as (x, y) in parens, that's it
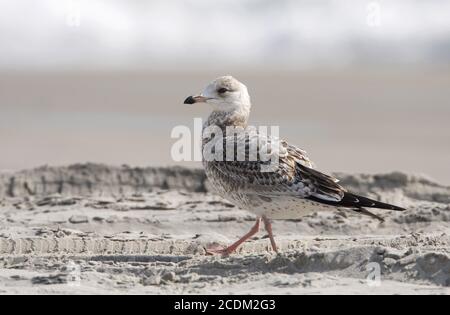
(98, 229)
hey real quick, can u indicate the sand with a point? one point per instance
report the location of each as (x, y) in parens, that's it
(95, 229)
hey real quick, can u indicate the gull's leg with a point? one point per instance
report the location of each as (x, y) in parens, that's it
(268, 227)
(226, 251)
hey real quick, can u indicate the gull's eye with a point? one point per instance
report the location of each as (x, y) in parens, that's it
(222, 90)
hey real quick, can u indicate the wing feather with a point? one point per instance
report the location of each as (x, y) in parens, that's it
(295, 175)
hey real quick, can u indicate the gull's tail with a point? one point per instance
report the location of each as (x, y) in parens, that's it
(354, 201)
(357, 202)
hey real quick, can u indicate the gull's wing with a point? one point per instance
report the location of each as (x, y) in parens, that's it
(294, 177)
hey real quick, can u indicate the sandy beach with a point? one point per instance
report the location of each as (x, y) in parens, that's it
(102, 102)
(118, 230)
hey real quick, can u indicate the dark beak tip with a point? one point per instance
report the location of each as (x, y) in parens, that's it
(190, 100)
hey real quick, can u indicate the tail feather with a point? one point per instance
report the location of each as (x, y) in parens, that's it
(350, 200)
(354, 201)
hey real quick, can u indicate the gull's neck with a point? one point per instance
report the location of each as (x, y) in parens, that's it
(224, 120)
(234, 118)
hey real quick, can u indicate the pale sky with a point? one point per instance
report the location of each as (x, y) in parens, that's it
(155, 33)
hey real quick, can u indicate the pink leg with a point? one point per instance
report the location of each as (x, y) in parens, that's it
(268, 227)
(227, 251)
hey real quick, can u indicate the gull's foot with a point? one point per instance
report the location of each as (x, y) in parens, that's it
(216, 249)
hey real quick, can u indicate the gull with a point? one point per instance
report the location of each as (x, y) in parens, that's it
(291, 190)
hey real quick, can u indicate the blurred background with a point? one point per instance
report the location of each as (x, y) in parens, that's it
(363, 86)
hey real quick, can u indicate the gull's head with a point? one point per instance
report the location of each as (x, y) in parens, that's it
(225, 94)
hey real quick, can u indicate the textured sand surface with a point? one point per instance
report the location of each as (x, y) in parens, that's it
(120, 230)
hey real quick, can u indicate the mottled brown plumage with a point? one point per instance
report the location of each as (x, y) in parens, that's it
(291, 190)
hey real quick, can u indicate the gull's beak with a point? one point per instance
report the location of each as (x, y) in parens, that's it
(195, 99)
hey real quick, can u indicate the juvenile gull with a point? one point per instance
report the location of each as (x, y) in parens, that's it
(290, 191)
